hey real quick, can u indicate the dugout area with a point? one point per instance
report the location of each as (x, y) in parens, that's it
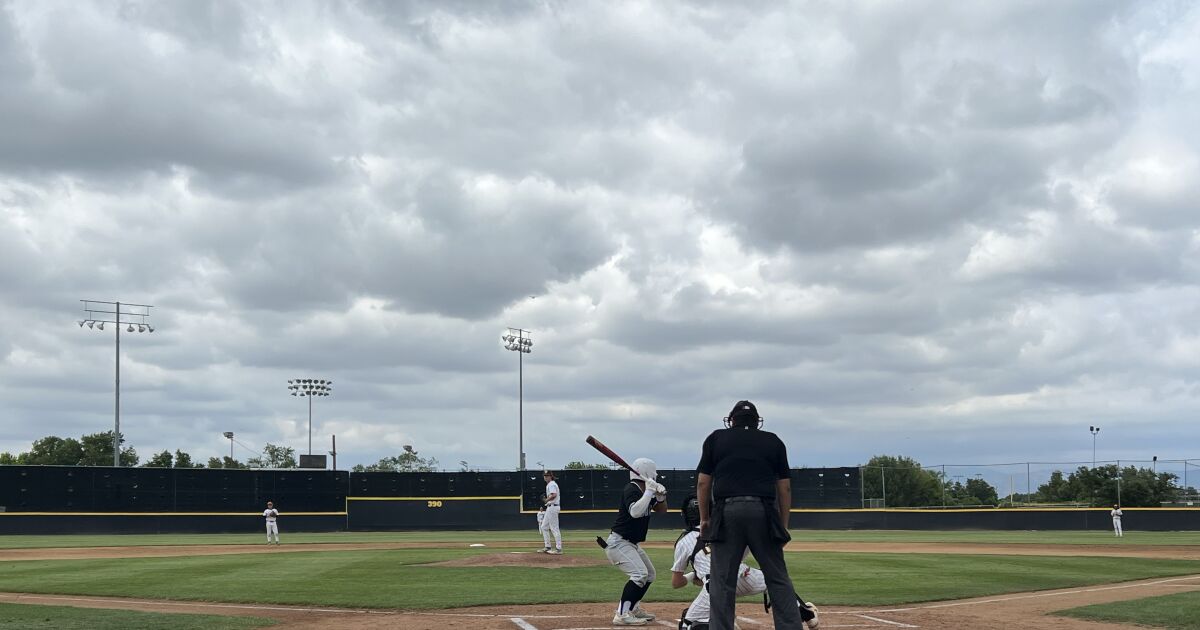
(105, 500)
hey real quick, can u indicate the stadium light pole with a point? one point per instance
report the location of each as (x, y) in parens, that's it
(1094, 431)
(96, 314)
(310, 387)
(518, 340)
(229, 434)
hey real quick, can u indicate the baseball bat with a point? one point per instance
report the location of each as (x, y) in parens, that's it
(608, 452)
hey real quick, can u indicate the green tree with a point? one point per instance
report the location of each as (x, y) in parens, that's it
(97, 450)
(1056, 490)
(8, 459)
(225, 462)
(577, 465)
(975, 492)
(981, 492)
(1107, 485)
(408, 461)
(274, 457)
(55, 451)
(907, 484)
(160, 460)
(183, 460)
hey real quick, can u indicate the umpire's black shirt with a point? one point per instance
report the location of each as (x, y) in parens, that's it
(744, 462)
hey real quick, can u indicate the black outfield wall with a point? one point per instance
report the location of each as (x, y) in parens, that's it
(95, 500)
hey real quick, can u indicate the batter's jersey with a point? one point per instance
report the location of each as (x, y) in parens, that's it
(683, 551)
(270, 515)
(552, 488)
(630, 528)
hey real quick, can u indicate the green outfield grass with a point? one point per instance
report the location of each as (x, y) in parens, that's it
(400, 579)
(576, 536)
(1180, 611)
(36, 617)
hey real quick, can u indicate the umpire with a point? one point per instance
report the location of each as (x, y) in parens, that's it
(745, 493)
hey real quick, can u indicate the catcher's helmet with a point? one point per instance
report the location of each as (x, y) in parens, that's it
(691, 512)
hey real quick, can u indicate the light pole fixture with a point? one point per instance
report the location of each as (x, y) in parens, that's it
(229, 434)
(518, 340)
(310, 387)
(95, 315)
(1094, 431)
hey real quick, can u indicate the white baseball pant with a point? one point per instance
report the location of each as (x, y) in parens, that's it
(549, 527)
(750, 582)
(272, 530)
(630, 558)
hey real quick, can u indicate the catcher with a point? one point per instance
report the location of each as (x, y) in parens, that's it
(690, 552)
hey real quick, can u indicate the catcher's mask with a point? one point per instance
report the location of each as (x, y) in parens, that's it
(744, 414)
(691, 512)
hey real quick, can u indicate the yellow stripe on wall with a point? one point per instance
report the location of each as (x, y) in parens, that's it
(433, 498)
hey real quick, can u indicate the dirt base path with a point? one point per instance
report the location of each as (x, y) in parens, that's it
(1021, 610)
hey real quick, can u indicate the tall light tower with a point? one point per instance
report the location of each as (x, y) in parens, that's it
(1094, 431)
(95, 315)
(310, 387)
(518, 340)
(229, 435)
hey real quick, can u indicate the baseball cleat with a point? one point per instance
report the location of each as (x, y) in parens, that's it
(629, 619)
(641, 613)
(544, 550)
(808, 613)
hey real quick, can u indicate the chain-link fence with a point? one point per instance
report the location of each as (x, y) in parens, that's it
(1129, 482)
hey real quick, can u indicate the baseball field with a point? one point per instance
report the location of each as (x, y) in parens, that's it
(494, 580)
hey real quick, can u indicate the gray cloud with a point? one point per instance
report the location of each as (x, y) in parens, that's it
(915, 229)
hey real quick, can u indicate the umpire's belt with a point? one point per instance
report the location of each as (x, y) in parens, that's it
(742, 499)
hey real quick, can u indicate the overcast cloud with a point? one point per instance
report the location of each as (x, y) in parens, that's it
(962, 232)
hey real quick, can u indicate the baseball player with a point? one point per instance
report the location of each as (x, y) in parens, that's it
(642, 496)
(270, 514)
(549, 523)
(1116, 517)
(750, 580)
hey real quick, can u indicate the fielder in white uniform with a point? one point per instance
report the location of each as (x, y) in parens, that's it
(1116, 517)
(549, 523)
(750, 580)
(272, 527)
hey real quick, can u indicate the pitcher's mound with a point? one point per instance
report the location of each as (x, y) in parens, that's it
(522, 559)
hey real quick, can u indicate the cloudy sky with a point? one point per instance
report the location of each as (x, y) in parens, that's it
(962, 232)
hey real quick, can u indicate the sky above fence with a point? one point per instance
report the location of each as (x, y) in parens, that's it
(953, 232)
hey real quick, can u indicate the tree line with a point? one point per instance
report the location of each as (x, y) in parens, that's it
(908, 484)
(96, 449)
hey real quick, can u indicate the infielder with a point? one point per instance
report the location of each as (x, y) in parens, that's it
(270, 514)
(750, 580)
(642, 496)
(548, 524)
(1116, 517)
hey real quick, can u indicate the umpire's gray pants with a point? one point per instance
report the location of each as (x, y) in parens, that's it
(745, 525)
(629, 558)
